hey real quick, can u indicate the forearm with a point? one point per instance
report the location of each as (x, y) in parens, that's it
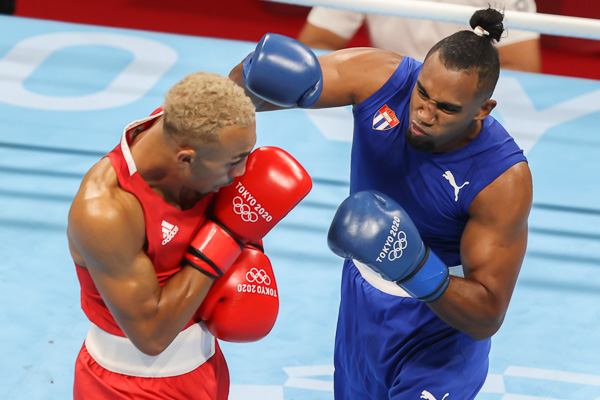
(470, 307)
(166, 312)
(220, 241)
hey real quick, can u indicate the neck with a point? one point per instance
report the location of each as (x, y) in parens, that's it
(469, 134)
(153, 156)
(473, 130)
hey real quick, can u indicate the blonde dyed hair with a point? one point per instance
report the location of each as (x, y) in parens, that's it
(202, 104)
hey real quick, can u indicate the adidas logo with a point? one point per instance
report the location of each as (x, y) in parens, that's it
(168, 231)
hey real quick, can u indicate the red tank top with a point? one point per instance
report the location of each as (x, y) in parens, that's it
(169, 231)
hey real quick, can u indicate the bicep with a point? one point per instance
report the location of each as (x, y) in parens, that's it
(128, 285)
(494, 241)
(352, 75)
(111, 245)
(492, 254)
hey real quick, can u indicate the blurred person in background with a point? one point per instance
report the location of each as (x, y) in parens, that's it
(332, 29)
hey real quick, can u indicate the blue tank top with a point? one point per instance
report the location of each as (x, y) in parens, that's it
(436, 190)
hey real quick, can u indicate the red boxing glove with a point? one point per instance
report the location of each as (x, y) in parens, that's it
(242, 307)
(245, 211)
(273, 184)
(213, 250)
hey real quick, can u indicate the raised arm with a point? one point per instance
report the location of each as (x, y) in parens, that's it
(107, 237)
(283, 73)
(492, 251)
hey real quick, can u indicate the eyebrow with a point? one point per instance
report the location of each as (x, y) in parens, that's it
(442, 105)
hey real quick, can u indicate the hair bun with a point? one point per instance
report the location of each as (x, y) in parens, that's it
(490, 21)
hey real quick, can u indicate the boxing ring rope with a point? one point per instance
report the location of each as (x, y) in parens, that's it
(586, 28)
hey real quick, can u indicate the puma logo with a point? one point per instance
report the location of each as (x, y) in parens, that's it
(448, 175)
(428, 396)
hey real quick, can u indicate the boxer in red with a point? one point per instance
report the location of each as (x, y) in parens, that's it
(150, 232)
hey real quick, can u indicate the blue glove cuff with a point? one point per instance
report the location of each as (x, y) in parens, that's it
(309, 98)
(428, 281)
(246, 66)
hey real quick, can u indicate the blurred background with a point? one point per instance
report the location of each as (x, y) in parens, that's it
(250, 19)
(59, 113)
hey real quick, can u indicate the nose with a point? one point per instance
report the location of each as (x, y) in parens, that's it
(426, 112)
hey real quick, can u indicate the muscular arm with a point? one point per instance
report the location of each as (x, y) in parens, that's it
(107, 236)
(349, 77)
(492, 250)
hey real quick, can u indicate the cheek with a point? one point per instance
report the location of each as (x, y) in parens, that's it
(450, 121)
(221, 172)
(210, 172)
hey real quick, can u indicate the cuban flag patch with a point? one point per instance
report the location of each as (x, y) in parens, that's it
(384, 119)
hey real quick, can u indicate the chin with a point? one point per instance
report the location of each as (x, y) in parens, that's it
(218, 187)
(419, 145)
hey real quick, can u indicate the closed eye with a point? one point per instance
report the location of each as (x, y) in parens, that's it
(234, 163)
(448, 109)
(443, 106)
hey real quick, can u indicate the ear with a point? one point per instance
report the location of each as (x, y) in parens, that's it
(485, 109)
(185, 157)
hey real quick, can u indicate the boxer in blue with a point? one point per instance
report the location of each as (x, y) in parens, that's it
(435, 228)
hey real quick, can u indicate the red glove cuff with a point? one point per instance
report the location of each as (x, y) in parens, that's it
(213, 250)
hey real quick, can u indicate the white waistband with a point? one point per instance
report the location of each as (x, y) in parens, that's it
(190, 349)
(389, 287)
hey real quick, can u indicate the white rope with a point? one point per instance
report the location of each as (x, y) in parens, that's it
(549, 24)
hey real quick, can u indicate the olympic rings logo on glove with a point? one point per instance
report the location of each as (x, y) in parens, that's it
(398, 247)
(243, 210)
(258, 276)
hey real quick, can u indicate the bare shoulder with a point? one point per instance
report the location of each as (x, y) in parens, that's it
(354, 74)
(508, 198)
(104, 219)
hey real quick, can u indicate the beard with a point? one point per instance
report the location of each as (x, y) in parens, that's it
(420, 144)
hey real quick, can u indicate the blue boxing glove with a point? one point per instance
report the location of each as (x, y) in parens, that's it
(372, 228)
(284, 72)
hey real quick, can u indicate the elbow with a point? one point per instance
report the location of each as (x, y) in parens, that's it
(485, 329)
(151, 348)
(152, 351)
(481, 336)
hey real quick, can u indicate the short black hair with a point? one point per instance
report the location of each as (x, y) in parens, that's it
(466, 50)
